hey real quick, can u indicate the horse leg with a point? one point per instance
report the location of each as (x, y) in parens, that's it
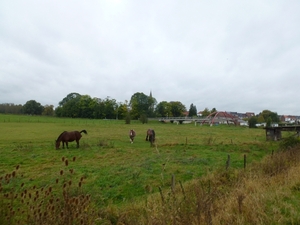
(147, 137)
(67, 145)
(152, 140)
(77, 141)
(63, 145)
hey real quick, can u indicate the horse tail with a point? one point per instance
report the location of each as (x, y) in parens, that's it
(84, 131)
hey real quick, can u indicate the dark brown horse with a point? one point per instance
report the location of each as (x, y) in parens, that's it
(150, 136)
(66, 137)
(131, 135)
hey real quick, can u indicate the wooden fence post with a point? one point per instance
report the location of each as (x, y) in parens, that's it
(173, 183)
(228, 162)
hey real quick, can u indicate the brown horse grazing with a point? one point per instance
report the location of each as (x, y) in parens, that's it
(150, 136)
(66, 137)
(131, 135)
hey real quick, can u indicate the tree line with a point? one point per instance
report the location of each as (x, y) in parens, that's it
(76, 105)
(140, 106)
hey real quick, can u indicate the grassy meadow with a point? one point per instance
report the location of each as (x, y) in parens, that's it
(111, 170)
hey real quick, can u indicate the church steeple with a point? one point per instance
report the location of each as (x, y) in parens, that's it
(151, 106)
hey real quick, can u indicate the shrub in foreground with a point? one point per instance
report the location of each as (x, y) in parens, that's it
(61, 203)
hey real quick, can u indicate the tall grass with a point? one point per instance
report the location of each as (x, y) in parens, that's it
(253, 196)
(62, 202)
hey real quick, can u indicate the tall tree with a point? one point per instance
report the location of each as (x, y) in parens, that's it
(122, 110)
(269, 122)
(68, 107)
(141, 104)
(163, 109)
(252, 122)
(48, 110)
(68, 98)
(260, 118)
(213, 110)
(98, 108)
(177, 108)
(84, 105)
(33, 108)
(192, 110)
(205, 112)
(269, 114)
(111, 108)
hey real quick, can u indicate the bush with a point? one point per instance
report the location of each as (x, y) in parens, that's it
(252, 122)
(289, 142)
(127, 118)
(143, 119)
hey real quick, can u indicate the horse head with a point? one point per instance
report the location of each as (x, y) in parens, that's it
(57, 144)
(150, 136)
(131, 135)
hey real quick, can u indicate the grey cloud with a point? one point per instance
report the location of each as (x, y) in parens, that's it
(231, 55)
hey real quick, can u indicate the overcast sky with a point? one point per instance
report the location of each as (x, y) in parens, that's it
(234, 55)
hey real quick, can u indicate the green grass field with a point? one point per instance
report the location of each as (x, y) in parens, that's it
(114, 170)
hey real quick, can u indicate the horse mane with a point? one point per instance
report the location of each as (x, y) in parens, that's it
(60, 135)
(150, 131)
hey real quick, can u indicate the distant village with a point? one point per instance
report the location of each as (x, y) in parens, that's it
(289, 119)
(228, 117)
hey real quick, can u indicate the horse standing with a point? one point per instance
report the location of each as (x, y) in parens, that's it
(66, 137)
(131, 135)
(150, 136)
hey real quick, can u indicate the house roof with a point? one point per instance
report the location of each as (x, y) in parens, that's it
(186, 113)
